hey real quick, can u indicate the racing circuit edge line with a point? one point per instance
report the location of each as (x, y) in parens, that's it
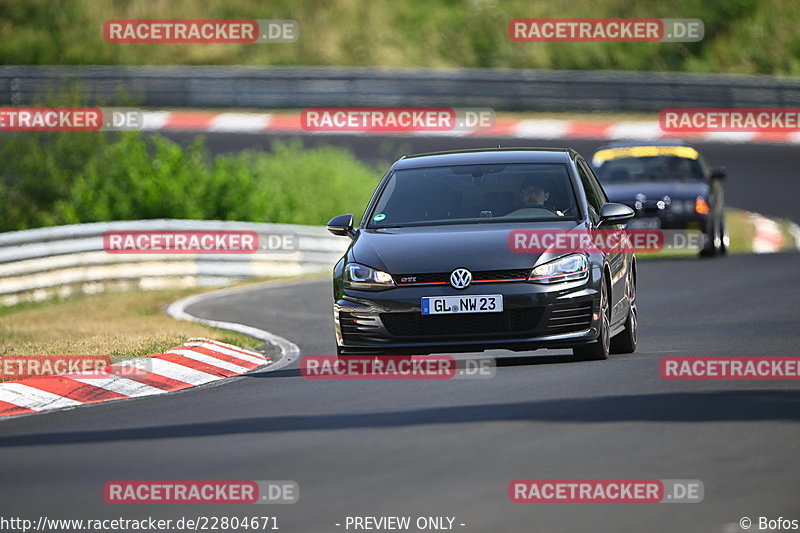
(198, 362)
(504, 127)
(289, 351)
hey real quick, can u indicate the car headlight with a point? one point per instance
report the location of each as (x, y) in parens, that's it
(366, 278)
(574, 267)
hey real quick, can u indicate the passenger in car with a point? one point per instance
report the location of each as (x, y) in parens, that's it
(535, 192)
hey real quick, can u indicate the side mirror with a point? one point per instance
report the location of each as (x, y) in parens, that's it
(612, 213)
(719, 173)
(342, 226)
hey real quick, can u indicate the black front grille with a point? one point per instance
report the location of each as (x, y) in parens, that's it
(500, 275)
(444, 277)
(507, 323)
(357, 327)
(568, 318)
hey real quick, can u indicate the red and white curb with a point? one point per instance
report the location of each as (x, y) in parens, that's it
(288, 352)
(504, 127)
(197, 362)
(768, 237)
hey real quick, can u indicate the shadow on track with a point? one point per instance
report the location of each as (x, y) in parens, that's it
(719, 406)
(516, 360)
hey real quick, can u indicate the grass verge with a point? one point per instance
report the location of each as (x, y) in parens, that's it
(120, 325)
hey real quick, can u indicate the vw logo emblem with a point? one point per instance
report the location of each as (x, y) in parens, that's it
(460, 278)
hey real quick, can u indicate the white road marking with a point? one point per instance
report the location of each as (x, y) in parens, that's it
(244, 122)
(542, 129)
(234, 353)
(33, 398)
(289, 351)
(210, 360)
(635, 130)
(171, 370)
(154, 120)
(118, 384)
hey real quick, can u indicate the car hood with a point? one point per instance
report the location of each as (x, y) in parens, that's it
(419, 250)
(626, 193)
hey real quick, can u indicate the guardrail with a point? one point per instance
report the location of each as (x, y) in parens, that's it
(501, 89)
(58, 261)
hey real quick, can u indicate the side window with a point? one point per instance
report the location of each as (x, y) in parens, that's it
(595, 202)
(701, 166)
(601, 194)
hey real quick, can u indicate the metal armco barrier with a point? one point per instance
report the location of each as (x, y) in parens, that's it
(300, 87)
(61, 260)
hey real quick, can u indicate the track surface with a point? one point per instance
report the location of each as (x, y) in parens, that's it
(451, 448)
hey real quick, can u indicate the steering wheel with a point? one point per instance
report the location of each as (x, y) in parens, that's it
(545, 206)
(525, 210)
(551, 209)
(571, 211)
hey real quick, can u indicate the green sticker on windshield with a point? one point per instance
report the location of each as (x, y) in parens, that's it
(379, 217)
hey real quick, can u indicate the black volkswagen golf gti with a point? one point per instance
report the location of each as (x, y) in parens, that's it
(431, 268)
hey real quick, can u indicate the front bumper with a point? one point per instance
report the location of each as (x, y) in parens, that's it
(534, 316)
(673, 221)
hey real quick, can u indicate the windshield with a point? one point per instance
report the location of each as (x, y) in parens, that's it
(475, 193)
(656, 168)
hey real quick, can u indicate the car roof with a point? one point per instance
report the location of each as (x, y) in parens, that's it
(486, 157)
(643, 149)
(631, 144)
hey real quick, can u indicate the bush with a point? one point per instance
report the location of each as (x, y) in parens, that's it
(66, 178)
(37, 172)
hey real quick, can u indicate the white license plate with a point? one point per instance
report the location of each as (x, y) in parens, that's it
(644, 223)
(477, 303)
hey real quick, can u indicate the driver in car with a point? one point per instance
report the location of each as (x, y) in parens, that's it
(535, 192)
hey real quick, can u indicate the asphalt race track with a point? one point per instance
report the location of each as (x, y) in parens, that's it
(450, 448)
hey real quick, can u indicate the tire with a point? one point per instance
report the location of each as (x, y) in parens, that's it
(715, 241)
(725, 239)
(625, 340)
(598, 350)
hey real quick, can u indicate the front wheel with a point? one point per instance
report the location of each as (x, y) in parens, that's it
(715, 240)
(599, 349)
(725, 240)
(625, 340)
